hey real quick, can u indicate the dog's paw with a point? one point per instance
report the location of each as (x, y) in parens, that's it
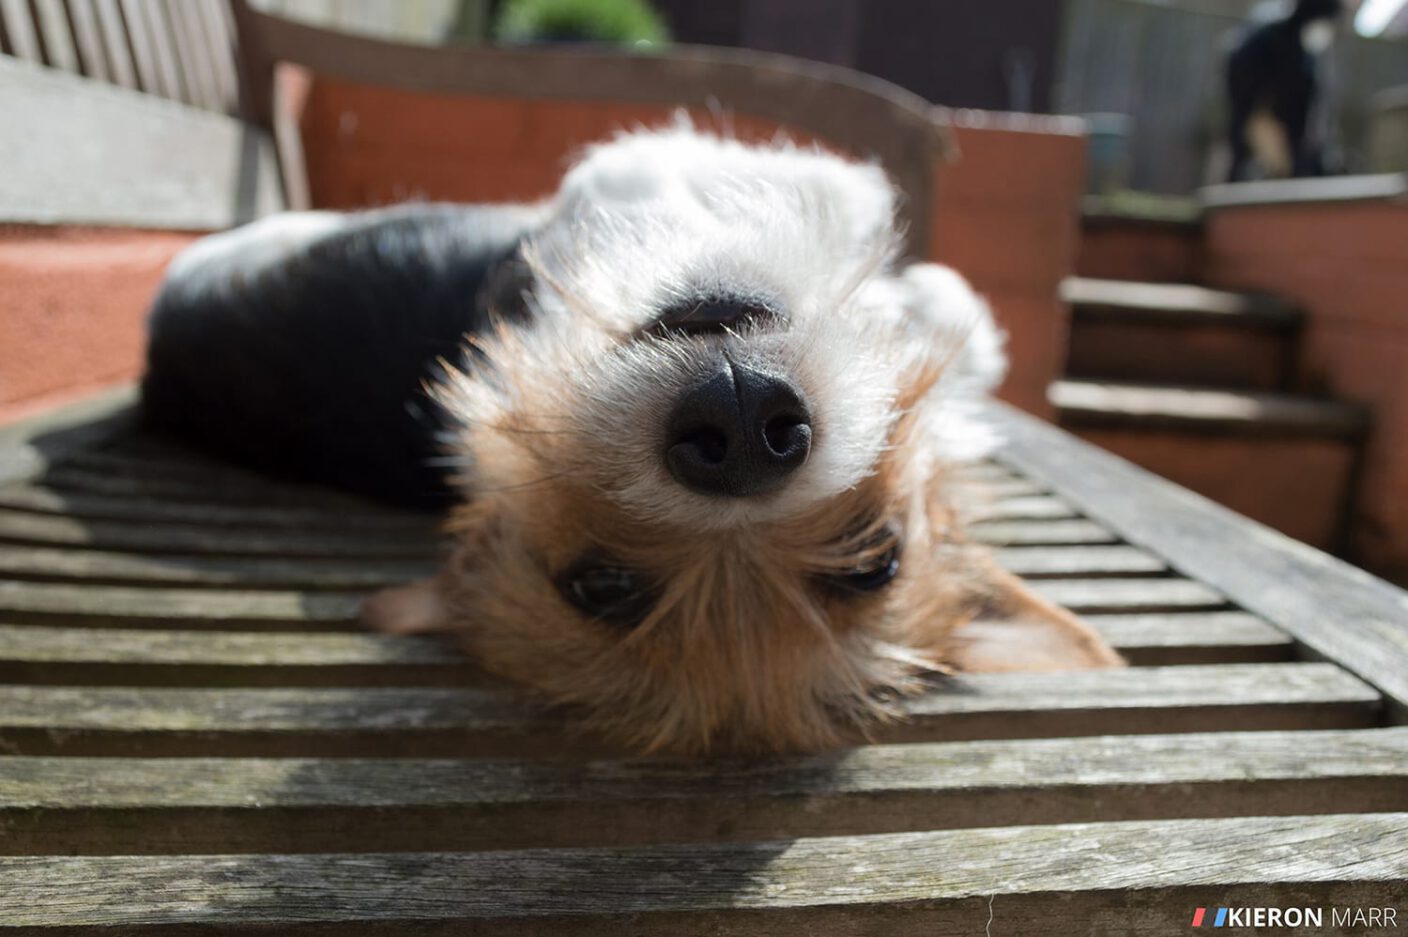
(415, 608)
(1018, 630)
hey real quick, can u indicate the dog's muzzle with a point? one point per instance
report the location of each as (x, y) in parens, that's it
(738, 432)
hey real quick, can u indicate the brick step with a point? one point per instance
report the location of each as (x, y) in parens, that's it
(1286, 461)
(1118, 245)
(1179, 334)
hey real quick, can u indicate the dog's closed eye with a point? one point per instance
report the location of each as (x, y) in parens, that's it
(877, 564)
(711, 315)
(607, 591)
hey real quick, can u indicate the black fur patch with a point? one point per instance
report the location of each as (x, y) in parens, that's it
(313, 369)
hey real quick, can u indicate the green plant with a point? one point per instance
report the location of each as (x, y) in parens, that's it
(627, 22)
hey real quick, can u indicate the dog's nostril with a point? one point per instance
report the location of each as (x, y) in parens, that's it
(707, 445)
(739, 432)
(787, 437)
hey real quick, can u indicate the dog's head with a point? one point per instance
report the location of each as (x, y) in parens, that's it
(706, 490)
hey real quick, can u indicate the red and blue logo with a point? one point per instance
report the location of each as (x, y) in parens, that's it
(1218, 921)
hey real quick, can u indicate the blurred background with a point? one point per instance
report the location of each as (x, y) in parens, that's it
(1071, 157)
(1148, 76)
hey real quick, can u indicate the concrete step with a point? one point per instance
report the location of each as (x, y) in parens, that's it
(1178, 333)
(1286, 461)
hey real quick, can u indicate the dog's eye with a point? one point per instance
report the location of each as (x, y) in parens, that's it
(614, 593)
(881, 565)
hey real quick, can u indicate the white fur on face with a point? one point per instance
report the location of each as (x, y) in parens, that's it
(653, 220)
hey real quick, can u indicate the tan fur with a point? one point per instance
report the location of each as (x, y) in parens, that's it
(745, 651)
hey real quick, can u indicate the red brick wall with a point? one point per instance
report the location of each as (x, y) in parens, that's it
(75, 300)
(1149, 252)
(1347, 263)
(1006, 213)
(1007, 217)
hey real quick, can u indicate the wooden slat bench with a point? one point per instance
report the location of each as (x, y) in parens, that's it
(197, 737)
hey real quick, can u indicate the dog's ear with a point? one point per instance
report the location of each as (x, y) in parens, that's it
(1018, 630)
(415, 608)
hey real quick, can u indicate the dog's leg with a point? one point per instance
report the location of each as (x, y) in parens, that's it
(1016, 629)
(415, 608)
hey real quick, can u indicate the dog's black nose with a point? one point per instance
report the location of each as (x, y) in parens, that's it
(739, 432)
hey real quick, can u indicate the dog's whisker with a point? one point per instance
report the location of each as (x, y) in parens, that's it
(520, 486)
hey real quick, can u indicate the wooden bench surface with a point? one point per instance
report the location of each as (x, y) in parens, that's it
(195, 734)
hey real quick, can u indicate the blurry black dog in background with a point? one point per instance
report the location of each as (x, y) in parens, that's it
(1273, 86)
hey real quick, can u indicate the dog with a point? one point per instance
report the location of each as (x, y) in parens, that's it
(1273, 89)
(697, 421)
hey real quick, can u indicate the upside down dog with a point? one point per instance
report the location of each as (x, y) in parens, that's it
(694, 422)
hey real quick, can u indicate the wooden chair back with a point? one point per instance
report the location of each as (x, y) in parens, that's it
(855, 113)
(176, 49)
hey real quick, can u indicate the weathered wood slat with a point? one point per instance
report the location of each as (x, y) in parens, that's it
(139, 502)
(163, 50)
(1022, 508)
(1129, 595)
(7, 45)
(139, 456)
(121, 605)
(51, 23)
(1074, 561)
(83, 26)
(989, 472)
(46, 529)
(114, 34)
(193, 61)
(21, 37)
(1010, 487)
(1194, 638)
(384, 722)
(107, 507)
(1030, 533)
(156, 606)
(52, 530)
(217, 39)
(1136, 877)
(96, 806)
(235, 490)
(106, 657)
(45, 564)
(33, 445)
(142, 48)
(1337, 611)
